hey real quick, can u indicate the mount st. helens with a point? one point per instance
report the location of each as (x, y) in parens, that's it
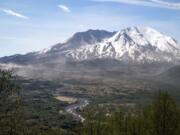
(131, 50)
(58, 52)
(133, 44)
(136, 44)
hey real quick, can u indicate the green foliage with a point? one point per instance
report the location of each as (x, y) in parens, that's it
(162, 117)
(10, 106)
(165, 115)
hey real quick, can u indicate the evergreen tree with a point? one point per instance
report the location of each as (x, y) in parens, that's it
(10, 106)
(165, 115)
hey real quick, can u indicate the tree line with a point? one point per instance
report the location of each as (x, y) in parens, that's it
(162, 117)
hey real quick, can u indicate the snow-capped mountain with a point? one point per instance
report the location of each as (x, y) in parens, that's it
(134, 50)
(83, 38)
(134, 44)
(58, 51)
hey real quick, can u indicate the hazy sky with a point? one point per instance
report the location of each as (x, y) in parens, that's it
(30, 25)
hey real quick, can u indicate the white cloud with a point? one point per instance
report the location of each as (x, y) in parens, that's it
(64, 8)
(150, 3)
(13, 13)
(167, 4)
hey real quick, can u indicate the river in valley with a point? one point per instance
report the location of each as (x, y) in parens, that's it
(79, 105)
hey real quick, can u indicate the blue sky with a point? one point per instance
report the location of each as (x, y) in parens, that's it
(31, 25)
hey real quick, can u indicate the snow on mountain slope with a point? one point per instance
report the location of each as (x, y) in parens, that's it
(162, 42)
(44, 51)
(137, 44)
(133, 44)
(83, 38)
(57, 52)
